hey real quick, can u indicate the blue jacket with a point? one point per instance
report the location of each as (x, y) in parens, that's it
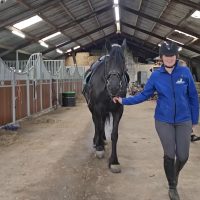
(177, 95)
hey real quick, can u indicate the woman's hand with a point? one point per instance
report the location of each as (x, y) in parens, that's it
(117, 100)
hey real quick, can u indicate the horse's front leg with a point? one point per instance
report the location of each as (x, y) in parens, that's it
(98, 138)
(113, 161)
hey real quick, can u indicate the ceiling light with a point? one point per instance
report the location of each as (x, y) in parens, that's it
(118, 26)
(159, 45)
(18, 33)
(196, 14)
(68, 51)
(43, 44)
(116, 2)
(117, 13)
(175, 41)
(186, 34)
(59, 51)
(28, 22)
(77, 47)
(51, 36)
(180, 49)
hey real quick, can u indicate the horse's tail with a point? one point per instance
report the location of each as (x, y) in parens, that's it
(109, 122)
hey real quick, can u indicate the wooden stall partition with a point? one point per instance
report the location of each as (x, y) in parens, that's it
(5, 103)
(21, 99)
(31, 88)
(35, 105)
(45, 94)
(38, 101)
(54, 92)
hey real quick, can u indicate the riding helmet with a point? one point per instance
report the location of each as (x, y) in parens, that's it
(168, 48)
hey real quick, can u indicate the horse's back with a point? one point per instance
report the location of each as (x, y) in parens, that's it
(92, 75)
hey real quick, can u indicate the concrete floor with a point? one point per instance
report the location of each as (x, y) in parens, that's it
(51, 158)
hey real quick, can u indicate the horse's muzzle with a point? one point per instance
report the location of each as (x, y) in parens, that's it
(114, 84)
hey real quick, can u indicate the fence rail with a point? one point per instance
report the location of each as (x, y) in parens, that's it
(37, 86)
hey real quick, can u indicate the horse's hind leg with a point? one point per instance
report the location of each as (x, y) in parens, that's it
(113, 161)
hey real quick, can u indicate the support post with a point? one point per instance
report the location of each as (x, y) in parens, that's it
(13, 97)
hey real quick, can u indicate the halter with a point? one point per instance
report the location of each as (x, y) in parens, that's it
(112, 73)
(116, 45)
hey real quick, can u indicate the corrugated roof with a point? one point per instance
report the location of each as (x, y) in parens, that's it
(82, 22)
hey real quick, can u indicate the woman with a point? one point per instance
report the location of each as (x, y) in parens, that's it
(176, 112)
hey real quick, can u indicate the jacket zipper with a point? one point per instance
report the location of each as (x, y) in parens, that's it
(174, 98)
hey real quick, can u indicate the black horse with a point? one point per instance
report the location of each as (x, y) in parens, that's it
(105, 79)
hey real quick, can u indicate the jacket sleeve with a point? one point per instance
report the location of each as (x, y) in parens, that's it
(148, 91)
(193, 100)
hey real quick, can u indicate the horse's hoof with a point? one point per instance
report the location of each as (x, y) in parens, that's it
(105, 142)
(100, 154)
(115, 168)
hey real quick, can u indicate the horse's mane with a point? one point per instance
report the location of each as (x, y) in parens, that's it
(116, 54)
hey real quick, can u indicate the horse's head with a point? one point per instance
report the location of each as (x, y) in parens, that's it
(115, 69)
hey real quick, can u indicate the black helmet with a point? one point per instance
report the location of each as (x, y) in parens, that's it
(168, 48)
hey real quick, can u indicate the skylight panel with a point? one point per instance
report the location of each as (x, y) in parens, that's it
(196, 14)
(28, 22)
(19, 33)
(42, 43)
(188, 35)
(175, 41)
(51, 36)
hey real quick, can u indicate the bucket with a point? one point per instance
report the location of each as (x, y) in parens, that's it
(68, 99)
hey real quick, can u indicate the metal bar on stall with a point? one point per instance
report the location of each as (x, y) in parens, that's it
(28, 94)
(50, 96)
(13, 97)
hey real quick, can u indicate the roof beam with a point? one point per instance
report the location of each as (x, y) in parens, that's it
(158, 20)
(158, 36)
(164, 9)
(138, 15)
(80, 37)
(129, 41)
(129, 37)
(181, 22)
(5, 46)
(97, 20)
(73, 18)
(188, 3)
(62, 28)
(156, 46)
(90, 44)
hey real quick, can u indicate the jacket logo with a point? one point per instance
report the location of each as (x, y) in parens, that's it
(180, 81)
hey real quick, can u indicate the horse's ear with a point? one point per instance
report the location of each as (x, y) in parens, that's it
(108, 46)
(124, 44)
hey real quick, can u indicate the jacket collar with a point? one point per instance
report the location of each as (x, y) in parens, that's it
(162, 67)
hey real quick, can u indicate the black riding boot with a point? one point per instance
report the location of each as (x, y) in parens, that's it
(169, 166)
(178, 166)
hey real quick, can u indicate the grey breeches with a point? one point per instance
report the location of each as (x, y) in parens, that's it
(175, 138)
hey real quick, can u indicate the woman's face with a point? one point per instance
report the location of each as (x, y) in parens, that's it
(169, 61)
